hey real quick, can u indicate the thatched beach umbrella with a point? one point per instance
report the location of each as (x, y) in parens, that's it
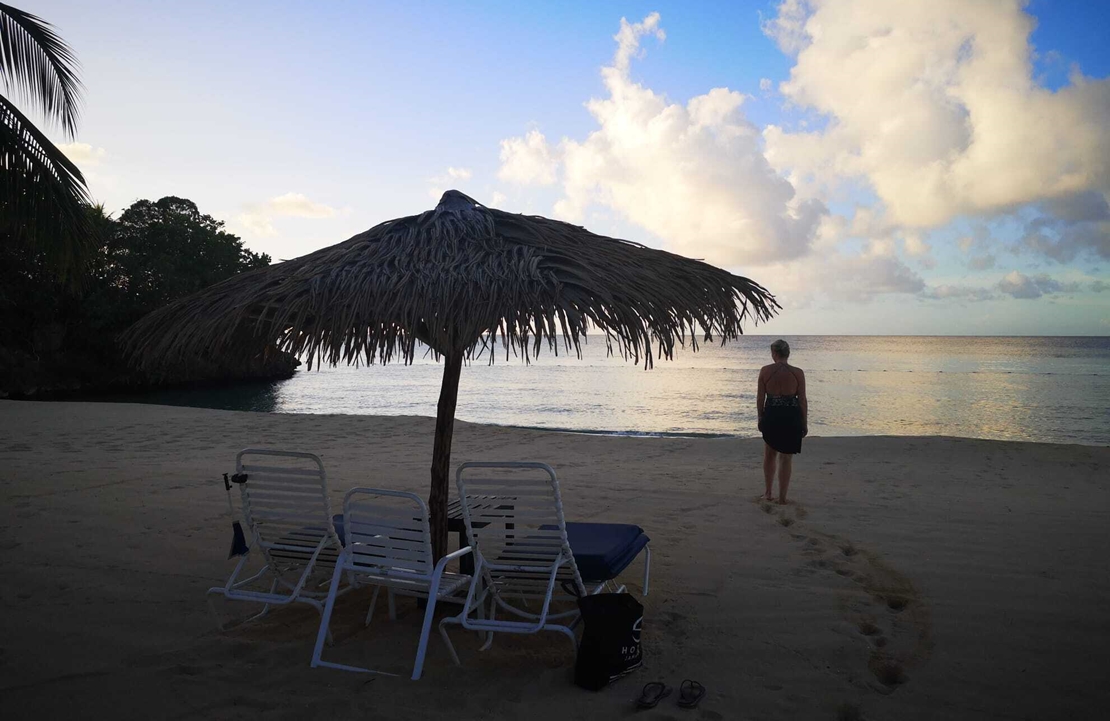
(460, 279)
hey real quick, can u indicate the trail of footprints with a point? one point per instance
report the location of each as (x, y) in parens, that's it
(883, 608)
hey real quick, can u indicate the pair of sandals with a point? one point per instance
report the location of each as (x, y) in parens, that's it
(690, 694)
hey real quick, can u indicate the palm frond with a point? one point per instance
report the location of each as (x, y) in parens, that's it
(38, 68)
(461, 278)
(42, 194)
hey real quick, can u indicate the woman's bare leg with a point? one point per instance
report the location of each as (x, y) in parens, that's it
(785, 466)
(769, 470)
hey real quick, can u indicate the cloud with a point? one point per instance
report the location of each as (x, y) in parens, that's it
(296, 205)
(497, 199)
(933, 104)
(1023, 286)
(528, 160)
(258, 218)
(452, 174)
(916, 246)
(1014, 284)
(83, 154)
(694, 175)
(765, 84)
(1070, 227)
(959, 292)
(981, 262)
(1098, 286)
(788, 27)
(832, 273)
(452, 177)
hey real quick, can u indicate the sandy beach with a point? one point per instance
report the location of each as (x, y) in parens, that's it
(912, 578)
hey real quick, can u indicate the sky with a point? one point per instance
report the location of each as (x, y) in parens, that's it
(920, 167)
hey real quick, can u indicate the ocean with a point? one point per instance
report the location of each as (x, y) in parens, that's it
(1053, 390)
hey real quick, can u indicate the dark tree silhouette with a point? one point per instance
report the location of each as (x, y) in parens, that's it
(43, 196)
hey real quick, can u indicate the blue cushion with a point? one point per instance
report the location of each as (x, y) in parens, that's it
(603, 550)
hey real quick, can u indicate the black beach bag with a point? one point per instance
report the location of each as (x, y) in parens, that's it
(610, 646)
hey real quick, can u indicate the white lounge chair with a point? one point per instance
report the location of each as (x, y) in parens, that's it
(288, 515)
(388, 544)
(514, 519)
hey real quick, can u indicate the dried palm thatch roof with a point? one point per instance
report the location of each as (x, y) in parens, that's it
(460, 278)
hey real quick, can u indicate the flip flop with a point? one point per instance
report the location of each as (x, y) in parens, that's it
(690, 694)
(653, 693)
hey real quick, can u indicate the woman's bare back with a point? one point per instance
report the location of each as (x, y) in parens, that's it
(780, 379)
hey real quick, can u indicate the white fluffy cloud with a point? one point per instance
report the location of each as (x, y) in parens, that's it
(694, 175)
(834, 272)
(1020, 285)
(934, 104)
(83, 154)
(528, 160)
(448, 179)
(258, 218)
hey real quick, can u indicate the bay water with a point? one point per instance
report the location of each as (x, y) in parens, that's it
(1054, 390)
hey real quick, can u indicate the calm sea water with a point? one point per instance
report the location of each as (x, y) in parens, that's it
(1054, 390)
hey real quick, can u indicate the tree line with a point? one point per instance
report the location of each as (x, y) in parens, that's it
(55, 338)
(72, 277)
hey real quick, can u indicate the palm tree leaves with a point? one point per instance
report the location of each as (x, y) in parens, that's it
(43, 197)
(42, 191)
(39, 68)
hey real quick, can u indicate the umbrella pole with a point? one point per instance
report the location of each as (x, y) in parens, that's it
(441, 452)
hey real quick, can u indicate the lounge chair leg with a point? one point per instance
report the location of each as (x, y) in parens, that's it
(647, 567)
(265, 608)
(325, 617)
(447, 639)
(320, 610)
(212, 607)
(570, 634)
(492, 618)
(373, 603)
(422, 647)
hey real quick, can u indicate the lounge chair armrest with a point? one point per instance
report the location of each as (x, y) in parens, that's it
(457, 554)
(449, 557)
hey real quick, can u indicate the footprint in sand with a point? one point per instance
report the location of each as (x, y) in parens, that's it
(889, 615)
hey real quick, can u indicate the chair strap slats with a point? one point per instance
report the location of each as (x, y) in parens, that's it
(283, 493)
(381, 554)
(293, 517)
(313, 509)
(524, 515)
(514, 480)
(251, 470)
(393, 534)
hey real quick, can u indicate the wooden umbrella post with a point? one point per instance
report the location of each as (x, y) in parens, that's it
(441, 452)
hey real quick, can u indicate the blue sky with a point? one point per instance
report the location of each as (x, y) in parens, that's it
(939, 168)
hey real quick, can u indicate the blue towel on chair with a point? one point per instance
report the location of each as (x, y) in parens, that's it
(603, 550)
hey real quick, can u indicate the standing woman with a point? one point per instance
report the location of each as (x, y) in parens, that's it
(783, 416)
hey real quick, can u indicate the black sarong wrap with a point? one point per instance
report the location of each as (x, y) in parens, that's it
(782, 426)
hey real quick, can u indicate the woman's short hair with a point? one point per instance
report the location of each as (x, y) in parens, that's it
(781, 348)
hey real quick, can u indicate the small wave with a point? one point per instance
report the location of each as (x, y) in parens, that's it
(624, 434)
